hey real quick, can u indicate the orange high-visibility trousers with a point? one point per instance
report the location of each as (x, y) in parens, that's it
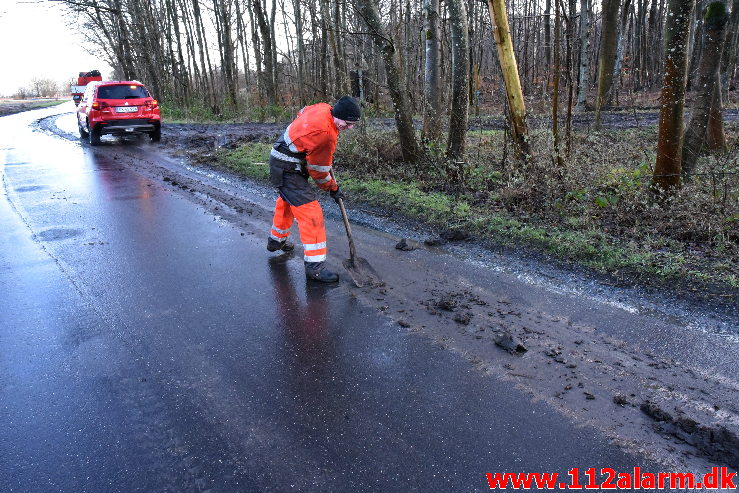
(310, 225)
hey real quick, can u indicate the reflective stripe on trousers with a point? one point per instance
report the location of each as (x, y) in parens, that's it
(310, 225)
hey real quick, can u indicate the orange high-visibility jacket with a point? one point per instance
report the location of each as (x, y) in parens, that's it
(311, 140)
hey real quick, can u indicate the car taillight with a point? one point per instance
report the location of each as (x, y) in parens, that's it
(152, 104)
(99, 105)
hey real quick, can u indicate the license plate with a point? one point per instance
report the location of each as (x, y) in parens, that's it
(126, 109)
(129, 130)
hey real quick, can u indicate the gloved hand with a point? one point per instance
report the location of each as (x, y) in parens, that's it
(337, 194)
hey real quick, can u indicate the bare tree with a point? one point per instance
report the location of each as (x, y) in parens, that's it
(300, 58)
(729, 59)
(44, 88)
(509, 67)
(620, 47)
(460, 80)
(221, 9)
(555, 86)
(709, 86)
(403, 118)
(268, 57)
(607, 59)
(666, 176)
(432, 79)
(582, 80)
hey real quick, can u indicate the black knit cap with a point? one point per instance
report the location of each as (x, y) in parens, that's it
(347, 109)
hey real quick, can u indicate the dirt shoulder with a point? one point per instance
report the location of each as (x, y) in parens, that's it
(206, 143)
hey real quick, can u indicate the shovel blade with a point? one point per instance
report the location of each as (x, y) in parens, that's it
(362, 273)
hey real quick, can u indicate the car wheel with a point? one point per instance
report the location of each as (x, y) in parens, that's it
(83, 132)
(156, 134)
(94, 135)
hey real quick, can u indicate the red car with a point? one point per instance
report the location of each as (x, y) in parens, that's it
(118, 108)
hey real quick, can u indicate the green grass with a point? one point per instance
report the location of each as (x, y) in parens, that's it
(48, 104)
(429, 207)
(576, 239)
(251, 160)
(591, 248)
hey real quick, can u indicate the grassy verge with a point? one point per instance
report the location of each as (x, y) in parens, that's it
(596, 213)
(590, 248)
(249, 160)
(47, 104)
(10, 106)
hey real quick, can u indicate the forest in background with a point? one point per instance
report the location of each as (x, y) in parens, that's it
(671, 191)
(293, 52)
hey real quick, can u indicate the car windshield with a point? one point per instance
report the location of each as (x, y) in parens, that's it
(122, 92)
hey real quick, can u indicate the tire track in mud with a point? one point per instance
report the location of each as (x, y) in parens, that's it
(630, 395)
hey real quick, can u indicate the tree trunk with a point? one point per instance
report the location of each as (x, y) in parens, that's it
(228, 64)
(568, 70)
(460, 80)
(620, 47)
(696, 46)
(326, 73)
(268, 78)
(729, 59)
(507, 59)
(273, 30)
(714, 22)
(669, 145)
(548, 33)
(316, 62)
(403, 118)
(204, 57)
(241, 38)
(126, 59)
(555, 86)
(343, 73)
(607, 60)
(431, 89)
(582, 80)
(715, 135)
(338, 74)
(300, 62)
(257, 43)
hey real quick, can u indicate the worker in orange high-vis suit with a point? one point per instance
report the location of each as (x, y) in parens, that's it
(306, 149)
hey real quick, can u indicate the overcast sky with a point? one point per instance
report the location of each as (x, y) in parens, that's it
(36, 42)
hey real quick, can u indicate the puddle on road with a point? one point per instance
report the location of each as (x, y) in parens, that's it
(57, 234)
(32, 188)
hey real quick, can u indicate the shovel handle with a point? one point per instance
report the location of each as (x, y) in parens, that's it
(352, 250)
(345, 217)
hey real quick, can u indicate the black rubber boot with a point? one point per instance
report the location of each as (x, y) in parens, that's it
(274, 245)
(317, 271)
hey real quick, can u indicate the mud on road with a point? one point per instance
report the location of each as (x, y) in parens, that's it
(675, 410)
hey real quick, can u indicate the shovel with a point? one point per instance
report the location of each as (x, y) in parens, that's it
(359, 269)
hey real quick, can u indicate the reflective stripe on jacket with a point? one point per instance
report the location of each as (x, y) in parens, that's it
(312, 137)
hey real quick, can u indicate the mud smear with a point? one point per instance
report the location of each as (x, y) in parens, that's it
(628, 394)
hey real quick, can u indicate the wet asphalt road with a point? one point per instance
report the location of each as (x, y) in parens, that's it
(148, 345)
